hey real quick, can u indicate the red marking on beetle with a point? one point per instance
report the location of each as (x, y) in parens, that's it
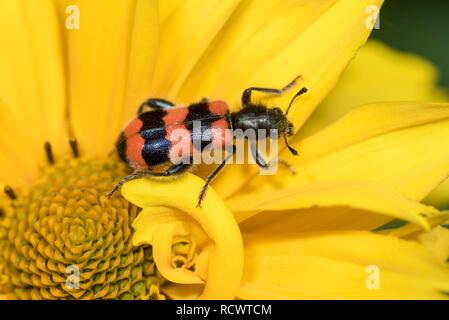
(134, 146)
(218, 107)
(181, 142)
(175, 116)
(177, 133)
(220, 135)
(133, 127)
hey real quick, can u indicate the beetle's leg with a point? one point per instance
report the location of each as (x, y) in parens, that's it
(261, 162)
(155, 104)
(212, 176)
(135, 175)
(177, 169)
(173, 170)
(246, 96)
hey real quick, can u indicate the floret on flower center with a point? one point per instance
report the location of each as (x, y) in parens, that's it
(61, 238)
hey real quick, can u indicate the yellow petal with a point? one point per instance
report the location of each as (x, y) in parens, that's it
(364, 196)
(32, 86)
(7, 297)
(340, 265)
(224, 274)
(314, 219)
(185, 35)
(183, 292)
(142, 55)
(247, 30)
(148, 220)
(110, 63)
(413, 231)
(16, 170)
(437, 242)
(439, 197)
(404, 146)
(377, 73)
(167, 7)
(316, 39)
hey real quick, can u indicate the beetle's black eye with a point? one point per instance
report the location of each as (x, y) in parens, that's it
(278, 111)
(290, 129)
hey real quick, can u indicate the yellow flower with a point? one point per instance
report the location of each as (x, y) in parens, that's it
(302, 236)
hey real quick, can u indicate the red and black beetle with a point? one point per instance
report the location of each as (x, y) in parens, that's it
(146, 143)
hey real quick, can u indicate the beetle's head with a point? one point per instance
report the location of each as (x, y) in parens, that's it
(280, 121)
(285, 126)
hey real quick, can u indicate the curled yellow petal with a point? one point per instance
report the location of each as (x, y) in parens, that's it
(148, 220)
(159, 226)
(162, 249)
(226, 261)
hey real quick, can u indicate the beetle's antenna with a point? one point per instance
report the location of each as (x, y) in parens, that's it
(300, 92)
(290, 148)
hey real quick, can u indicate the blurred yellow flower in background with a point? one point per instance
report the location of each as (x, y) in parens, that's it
(378, 73)
(271, 237)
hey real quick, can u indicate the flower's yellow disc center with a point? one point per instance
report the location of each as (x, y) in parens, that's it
(62, 238)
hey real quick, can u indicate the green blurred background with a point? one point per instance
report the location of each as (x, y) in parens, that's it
(419, 26)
